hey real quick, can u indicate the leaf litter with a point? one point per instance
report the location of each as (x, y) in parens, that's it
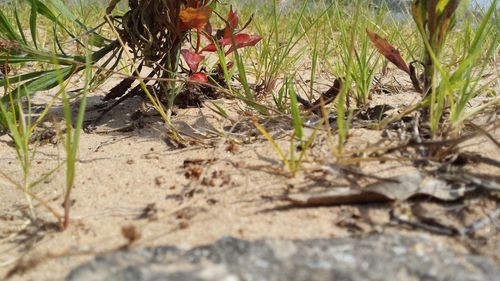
(437, 197)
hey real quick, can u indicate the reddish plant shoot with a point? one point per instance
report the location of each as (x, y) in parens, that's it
(192, 59)
(388, 51)
(199, 77)
(198, 18)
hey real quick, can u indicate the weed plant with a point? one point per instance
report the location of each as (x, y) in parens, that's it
(446, 86)
(20, 123)
(298, 139)
(73, 136)
(357, 59)
(281, 47)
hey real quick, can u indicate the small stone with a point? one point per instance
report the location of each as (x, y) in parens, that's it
(160, 180)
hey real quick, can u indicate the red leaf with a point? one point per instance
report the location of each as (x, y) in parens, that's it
(388, 51)
(219, 69)
(209, 48)
(193, 3)
(194, 18)
(233, 20)
(192, 59)
(199, 77)
(208, 30)
(241, 40)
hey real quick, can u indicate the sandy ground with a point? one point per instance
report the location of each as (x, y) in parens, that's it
(136, 185)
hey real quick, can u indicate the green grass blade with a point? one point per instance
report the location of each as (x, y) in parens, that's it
(33, 18)
(39, 57)
(63, 9)
(476, 47)
(7, 29)
(294, 108)
(23, 77)
(273, 143)
(218, 109)
(44, 82)
(19, 25)
(104, 72)
(43, 10)
(46, 12)
(101, 52)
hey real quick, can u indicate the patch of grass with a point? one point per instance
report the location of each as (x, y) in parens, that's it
(461, 83)
(447, 85)
(73, 135)
(357, 60)
(281, 46)
(18, 119)
(298, 139)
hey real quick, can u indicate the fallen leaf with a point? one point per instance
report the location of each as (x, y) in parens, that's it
(338, 196)
(413, 184)
(400, 188)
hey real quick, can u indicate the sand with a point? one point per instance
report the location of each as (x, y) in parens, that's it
(136, 188)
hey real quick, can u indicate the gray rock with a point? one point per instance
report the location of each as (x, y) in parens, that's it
(378, 257)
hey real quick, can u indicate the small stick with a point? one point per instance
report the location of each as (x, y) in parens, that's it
(481, 223)
(428, 227)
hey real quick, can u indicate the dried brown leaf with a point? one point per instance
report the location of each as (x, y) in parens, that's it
(388, 51)
(338, 196)
(399, 188)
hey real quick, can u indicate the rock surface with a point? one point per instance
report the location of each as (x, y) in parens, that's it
(377, 257)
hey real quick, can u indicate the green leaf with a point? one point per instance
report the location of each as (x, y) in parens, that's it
(44, 82)
(96, 40)
(441, 5)
(22, 77)
(43, 10)
(100, 53)
(7, 29)
(19, 25)
(219, 110)
(57, 42)
(296, 119)
(61, 7)
(33, 17)
(213, 5)
(37, 58)
(46, 12)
